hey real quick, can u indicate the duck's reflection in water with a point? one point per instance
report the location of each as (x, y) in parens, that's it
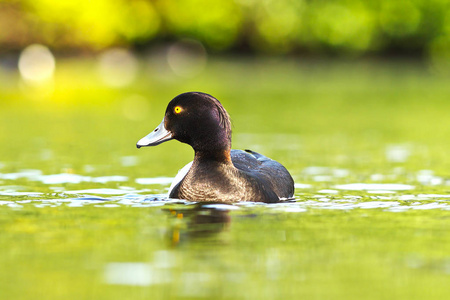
(201, 221)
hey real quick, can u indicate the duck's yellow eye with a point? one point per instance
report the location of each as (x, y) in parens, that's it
(177, 109)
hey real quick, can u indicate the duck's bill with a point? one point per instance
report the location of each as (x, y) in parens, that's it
(156, 137)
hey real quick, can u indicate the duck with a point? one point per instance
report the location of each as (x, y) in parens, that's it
(217, 173)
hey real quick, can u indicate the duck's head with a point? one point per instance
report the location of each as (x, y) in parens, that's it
(196, 119)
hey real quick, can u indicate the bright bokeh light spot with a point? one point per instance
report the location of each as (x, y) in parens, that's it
(135, 107)
(158, 66)
(36, 64)
(187, 58)
(117, 67)
(397, 153)
(129, 161)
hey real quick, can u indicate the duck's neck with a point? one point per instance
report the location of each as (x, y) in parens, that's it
(213, 147)
(218, 156)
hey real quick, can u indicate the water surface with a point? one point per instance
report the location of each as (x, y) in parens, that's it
(84, 214)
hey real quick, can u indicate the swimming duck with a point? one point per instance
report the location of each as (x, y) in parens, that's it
(217, 173)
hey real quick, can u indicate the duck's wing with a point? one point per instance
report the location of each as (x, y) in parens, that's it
(271, 171)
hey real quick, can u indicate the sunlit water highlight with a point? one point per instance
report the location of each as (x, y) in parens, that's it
(386, 196)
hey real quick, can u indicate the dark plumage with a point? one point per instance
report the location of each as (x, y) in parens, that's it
(217, 173)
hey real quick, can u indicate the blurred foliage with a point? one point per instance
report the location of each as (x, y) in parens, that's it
(349, 27)
(83, 23)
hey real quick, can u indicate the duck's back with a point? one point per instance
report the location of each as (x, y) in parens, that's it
(265, 169)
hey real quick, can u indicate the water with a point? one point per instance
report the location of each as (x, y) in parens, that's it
(390, 196)
(85, 215)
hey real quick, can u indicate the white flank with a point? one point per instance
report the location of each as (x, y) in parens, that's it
(181, 174)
